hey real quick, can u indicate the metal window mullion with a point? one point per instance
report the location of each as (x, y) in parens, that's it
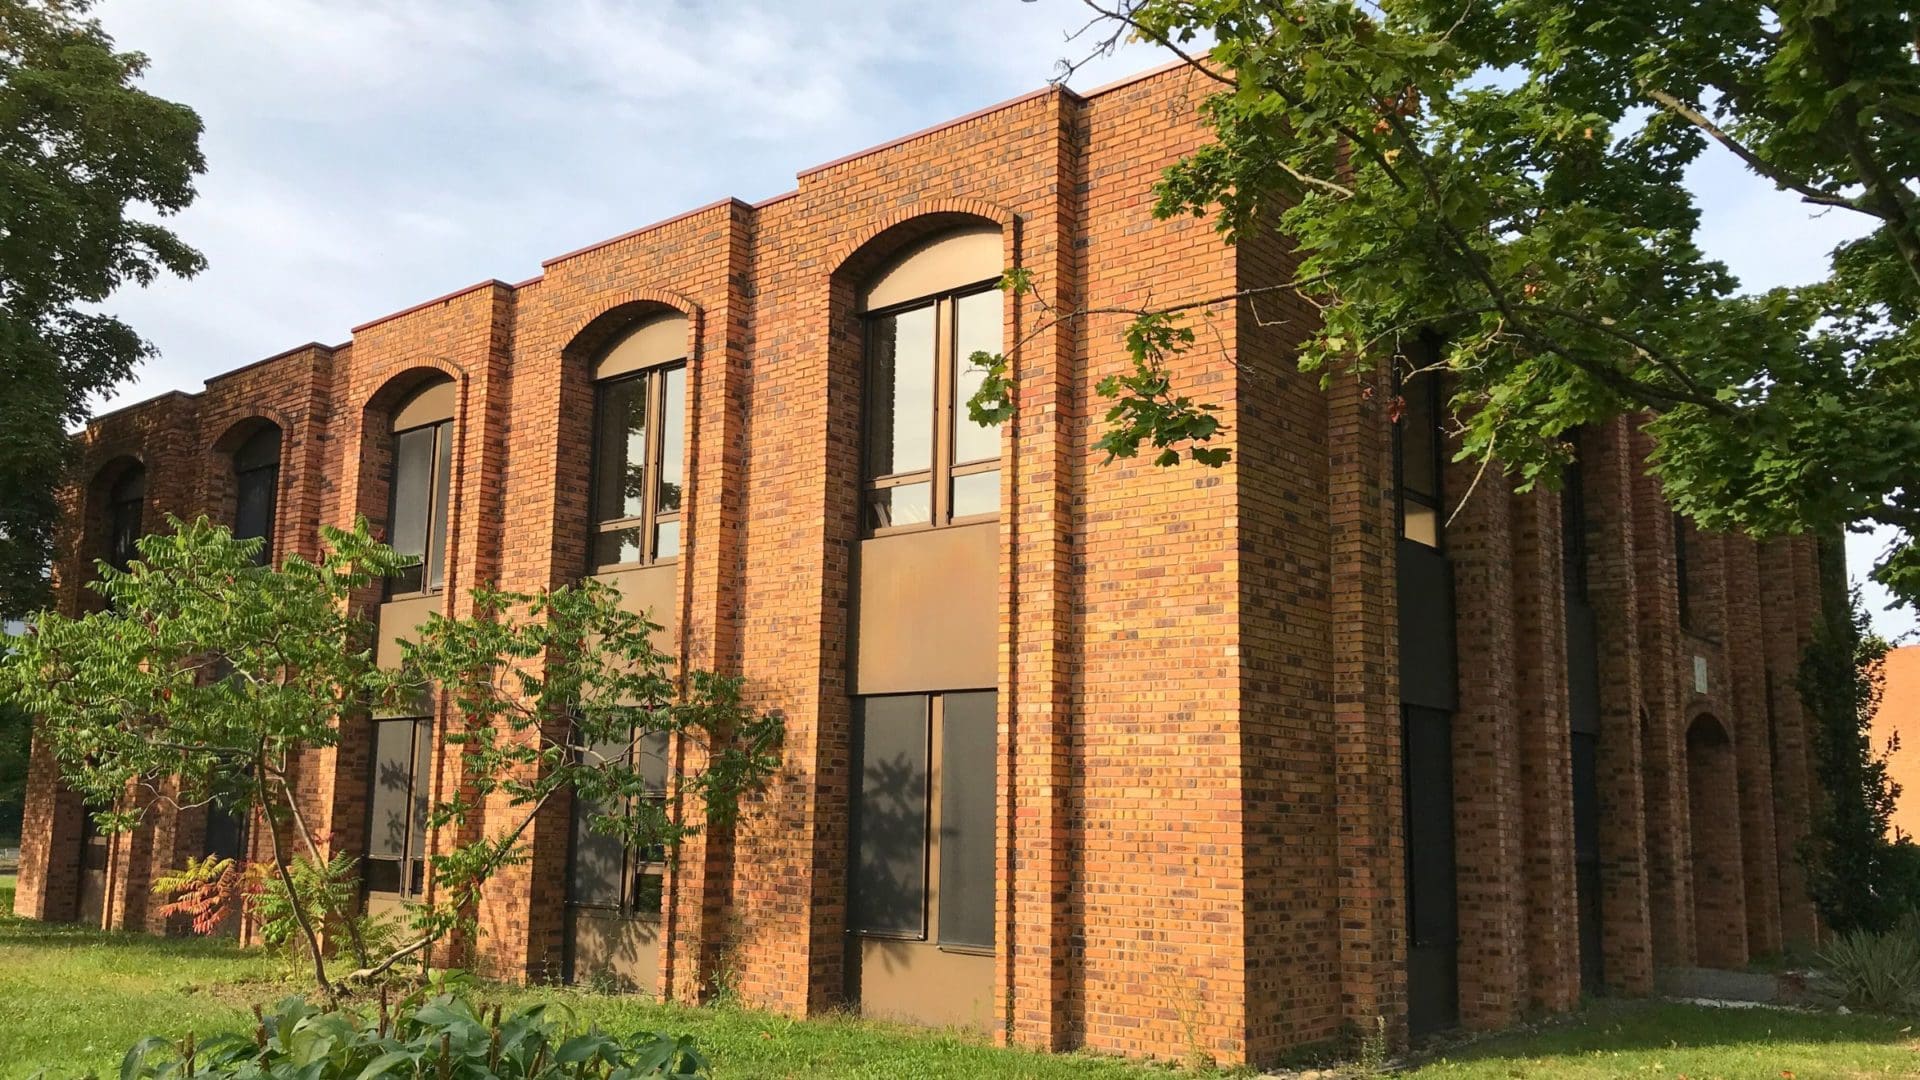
(943, 345)
(650, 470)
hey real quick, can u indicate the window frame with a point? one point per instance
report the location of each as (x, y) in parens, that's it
(934, 889)
(267, 474)
(439, 467)
(1428, 384)
(406, 860)
(634, 864)
(648, 521)
(118, 525)
(947, 412)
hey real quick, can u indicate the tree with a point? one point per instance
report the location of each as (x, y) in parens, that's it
(87, 161)
(1859, 876)
(1508, 176)
(206, 678)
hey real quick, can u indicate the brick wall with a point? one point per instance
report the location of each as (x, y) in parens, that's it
(1200, 839)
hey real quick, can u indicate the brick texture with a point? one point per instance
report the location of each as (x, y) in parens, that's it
(1200, 840)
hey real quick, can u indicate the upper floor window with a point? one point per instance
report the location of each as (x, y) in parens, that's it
(421, 486)
(1419, 448)
(1573, 524)
(126, 505)
(927, 462)
(256, 485)
(640, 446)
(1680, 560)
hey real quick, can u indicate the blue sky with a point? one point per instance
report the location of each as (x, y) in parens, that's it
(365, 155)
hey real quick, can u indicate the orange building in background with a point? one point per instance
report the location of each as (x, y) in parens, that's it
(1899, 714)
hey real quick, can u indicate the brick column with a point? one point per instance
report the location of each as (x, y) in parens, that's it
(1371, 854)
(1663, 757)
(1753, 745)
(1546, 778)
(1625, 923)
(1488, 797)
(1039, 658)
(1780, 640)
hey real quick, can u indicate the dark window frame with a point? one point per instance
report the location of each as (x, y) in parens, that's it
(411, 874)
(1683, 592)
(654, 378)
(1427, 384)
(946, 416)
(445, 448)
(649, 863)
(1573, 527)
(935, 892)
(264, 475)
(126, 516)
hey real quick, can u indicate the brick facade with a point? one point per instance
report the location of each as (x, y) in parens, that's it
(1200, 823)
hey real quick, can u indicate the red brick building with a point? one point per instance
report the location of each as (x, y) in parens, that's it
(1146, 760)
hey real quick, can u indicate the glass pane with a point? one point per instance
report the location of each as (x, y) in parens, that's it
(648, 892)
(908, 504)
(900, 392)
(442, 499)
(599, 858)
(969, 796)
(383, 875)
(889, 872)
(1421, 524)
(616, 546)
(666, 540)
(673, 437)
(620, 450)
(422, 784)
(392, 779)
(126, 532)
(253, 508)
(412, 473)
(977, 329)
(1419, 465)
(651, 760)
(976, 493)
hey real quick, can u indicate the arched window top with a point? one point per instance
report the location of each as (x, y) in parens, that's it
(131, 486)
(951, 260)
(431, 403)
(1707, 730)
(260, 451)
(661, 339)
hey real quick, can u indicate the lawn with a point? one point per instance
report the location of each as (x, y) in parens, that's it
(73, 1000)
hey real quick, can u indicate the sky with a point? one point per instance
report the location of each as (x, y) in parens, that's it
(366, 155)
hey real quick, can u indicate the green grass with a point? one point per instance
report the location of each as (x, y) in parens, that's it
(73, 1000)
(1639, 1039)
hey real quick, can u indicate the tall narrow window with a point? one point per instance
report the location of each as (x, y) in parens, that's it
(1680, 570)
(1419, 449)
(924, 817)
(605, 872)
(927, 462)
(422, 487)
(640, 446)
(397, 825)
(1573, 527)
(127, 504)
(256, 485)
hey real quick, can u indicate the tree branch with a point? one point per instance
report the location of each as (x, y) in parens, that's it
(1782, 179)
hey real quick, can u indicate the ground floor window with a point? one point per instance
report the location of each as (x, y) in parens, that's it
(924, 808)
(604, 872)
(397, 808)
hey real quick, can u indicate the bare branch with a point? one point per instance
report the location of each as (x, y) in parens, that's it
(1807, 192)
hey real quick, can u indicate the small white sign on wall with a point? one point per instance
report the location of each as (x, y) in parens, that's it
(1699, 674)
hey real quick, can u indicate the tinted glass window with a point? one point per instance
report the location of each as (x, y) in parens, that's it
(889, 887)
(969, 793)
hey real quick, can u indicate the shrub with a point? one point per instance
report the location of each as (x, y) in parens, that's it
(1876, 972)
(442, 1036)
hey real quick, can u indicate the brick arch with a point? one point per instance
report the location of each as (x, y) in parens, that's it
(573, 429)
(886, 235)
(376, 449)
(1713, 815)
(217, 486)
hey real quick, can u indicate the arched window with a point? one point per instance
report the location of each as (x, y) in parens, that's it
(421, 485)
(126, 505)
(256, 485)
(640, 445)
(927, 463)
